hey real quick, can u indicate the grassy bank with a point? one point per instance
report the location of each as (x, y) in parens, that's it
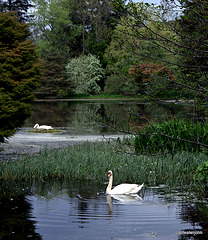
(91, 161)
(102, 96)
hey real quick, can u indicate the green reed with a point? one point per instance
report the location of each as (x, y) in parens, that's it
(172, 136)
(91, 161)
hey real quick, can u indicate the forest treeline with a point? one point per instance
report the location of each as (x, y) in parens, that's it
(118, 46)
(61, 48)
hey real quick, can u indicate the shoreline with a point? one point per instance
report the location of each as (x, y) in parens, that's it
(22, 144)
(84, 99)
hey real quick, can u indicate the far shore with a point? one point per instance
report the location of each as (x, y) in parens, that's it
(111, 99)
(84, 99)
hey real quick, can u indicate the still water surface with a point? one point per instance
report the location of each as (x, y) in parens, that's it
(79, 116)
(53, 211)
(76, 122)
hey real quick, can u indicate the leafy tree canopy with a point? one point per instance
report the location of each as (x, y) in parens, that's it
(53, 27)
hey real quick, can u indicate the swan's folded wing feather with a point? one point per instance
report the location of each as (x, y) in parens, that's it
(136, 189)
(124, 188)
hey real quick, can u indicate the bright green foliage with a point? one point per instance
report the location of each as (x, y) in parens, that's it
(133, 42)
(202, 173)
(20, 72)
(201, 179)
(172, 136)
(84, 73)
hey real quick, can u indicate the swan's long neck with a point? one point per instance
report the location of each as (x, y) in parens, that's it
(109, 187)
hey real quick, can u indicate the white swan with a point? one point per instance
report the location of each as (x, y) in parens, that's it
(42, 127)
(124, 188)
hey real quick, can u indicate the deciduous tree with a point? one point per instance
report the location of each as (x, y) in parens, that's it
(85, 73)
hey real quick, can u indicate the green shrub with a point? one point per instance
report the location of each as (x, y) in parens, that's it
(172, 136)
(201, 179)
(114, 84)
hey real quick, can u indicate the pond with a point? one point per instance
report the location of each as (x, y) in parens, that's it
(78, 117)
(76, 122)
(73, 210)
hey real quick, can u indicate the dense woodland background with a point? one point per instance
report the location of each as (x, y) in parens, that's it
(129, 48)
(74, 47)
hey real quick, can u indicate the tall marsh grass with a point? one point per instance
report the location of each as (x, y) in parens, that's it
(91, 161)
(172, 136)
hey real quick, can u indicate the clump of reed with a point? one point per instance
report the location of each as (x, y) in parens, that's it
(91, 161)
(172, 136)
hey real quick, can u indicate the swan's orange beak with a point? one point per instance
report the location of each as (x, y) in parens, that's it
(109, 174)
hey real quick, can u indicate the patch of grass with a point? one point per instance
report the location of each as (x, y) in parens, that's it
(91, 161)
(44, 130)
(102, 95)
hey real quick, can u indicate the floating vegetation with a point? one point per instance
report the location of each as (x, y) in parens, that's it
(44, 130)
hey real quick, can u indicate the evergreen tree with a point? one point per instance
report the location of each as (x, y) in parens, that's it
(20, 72)
(54, 82)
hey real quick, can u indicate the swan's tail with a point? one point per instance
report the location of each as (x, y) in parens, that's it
(137, 188)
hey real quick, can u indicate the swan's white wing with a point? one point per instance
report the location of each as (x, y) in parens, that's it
(136, 189)
(124, 188)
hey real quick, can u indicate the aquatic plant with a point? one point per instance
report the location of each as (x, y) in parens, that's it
(201, 179)
(91, 161)
(172, 136)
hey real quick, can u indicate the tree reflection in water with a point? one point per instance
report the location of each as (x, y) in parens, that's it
(197, 215)
(75, 115)
(15, 214)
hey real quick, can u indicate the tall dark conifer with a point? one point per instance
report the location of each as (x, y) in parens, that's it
(20, 70)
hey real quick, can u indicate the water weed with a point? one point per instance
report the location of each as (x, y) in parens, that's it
(91, 161)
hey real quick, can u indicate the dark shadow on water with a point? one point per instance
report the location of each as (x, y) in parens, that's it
(15, 213)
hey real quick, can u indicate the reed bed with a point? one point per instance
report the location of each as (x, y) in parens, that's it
(172, 136)
(91, 161)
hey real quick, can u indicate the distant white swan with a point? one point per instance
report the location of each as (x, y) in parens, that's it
(42, 127)
(124, 188)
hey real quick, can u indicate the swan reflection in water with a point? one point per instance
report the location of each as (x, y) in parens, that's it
(125, 199)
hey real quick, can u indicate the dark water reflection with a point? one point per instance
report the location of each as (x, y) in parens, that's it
(72, 210)
(75, 115)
